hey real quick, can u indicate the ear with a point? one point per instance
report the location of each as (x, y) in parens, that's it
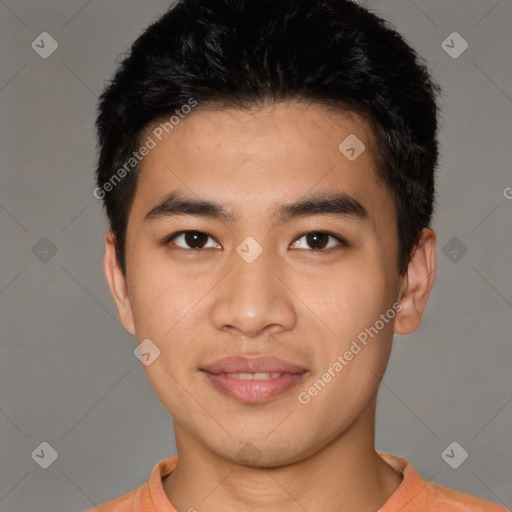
(117, 283)
(417, 283)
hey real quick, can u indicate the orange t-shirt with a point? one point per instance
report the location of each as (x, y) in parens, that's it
(413, 495)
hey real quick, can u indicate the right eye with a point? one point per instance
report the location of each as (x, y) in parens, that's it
(195, 240)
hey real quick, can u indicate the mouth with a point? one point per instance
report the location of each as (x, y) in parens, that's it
(253, 380)
(254, 376)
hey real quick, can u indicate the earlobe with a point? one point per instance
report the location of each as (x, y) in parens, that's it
(417, 284)
(117, 283)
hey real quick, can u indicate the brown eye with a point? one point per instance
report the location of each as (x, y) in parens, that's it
(319, 241)
(193, 240)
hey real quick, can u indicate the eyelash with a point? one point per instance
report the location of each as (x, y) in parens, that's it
(342, 243)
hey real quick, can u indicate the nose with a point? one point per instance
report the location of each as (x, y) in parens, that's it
(253, 298)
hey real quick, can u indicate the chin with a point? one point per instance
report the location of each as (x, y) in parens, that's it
(259, 452)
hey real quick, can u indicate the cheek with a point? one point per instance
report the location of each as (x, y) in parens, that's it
(348, 378)
(167, 309)
(168, 313)
(159, 301)
(350, 301)
(351, 306)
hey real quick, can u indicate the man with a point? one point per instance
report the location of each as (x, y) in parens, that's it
(267, 168)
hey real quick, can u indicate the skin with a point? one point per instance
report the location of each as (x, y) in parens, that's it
(292, 302)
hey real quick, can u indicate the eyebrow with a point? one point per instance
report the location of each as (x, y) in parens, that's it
(337, 204)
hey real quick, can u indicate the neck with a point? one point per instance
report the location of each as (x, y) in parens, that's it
(346, 471)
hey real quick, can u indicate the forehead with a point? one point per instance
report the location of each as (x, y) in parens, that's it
(252, 160)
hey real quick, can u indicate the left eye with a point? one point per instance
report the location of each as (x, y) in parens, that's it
(318, 241)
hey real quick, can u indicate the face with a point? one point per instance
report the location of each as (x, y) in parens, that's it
(258, 257)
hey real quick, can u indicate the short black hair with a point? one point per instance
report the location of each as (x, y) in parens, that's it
(251, 53)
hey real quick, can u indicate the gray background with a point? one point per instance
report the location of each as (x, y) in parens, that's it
(68, 373)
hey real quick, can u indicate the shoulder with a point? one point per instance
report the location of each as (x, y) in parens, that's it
(444, 499)
(148, 497)
(416, 494)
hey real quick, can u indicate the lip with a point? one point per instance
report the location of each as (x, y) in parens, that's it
(254, 390)
(240, 364)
